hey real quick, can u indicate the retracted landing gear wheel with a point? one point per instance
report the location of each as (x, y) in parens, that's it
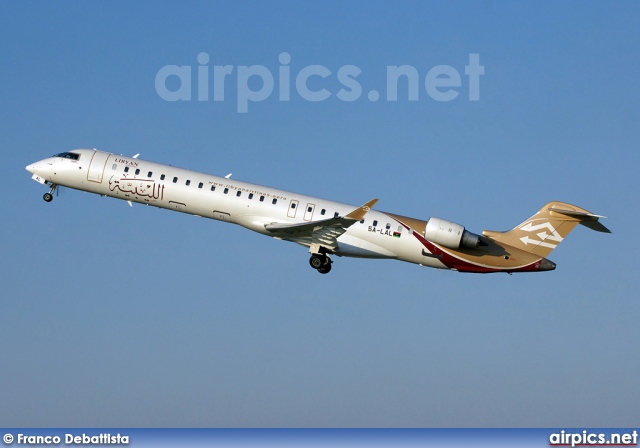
(48, 197)
(317, 261)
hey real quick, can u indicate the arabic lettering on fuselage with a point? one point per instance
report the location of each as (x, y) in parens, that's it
(138, 187)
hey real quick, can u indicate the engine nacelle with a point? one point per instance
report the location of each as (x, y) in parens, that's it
(451, 235)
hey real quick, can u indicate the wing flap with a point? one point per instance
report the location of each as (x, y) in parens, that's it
(325, 232)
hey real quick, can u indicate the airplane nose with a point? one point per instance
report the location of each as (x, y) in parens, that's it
(31, 168)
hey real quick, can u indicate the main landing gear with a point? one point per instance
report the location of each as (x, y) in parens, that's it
(48, 197)
(320, 262)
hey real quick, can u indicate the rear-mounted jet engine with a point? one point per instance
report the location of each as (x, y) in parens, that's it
(451, 235)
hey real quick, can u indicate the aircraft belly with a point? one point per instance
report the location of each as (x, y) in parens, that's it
(413, 252)
(352, 246)
(253, 222)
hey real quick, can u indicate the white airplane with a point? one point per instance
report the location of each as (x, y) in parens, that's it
(325, 227)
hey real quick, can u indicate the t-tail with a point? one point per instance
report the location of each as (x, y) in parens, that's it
(542, 233)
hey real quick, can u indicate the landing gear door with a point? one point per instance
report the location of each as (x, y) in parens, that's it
(96, 167)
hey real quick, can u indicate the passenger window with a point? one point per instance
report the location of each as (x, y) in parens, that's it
(362, 221)
(261, 198)
(250, 195)
(187, 183)
(200, 185)
(293, 205)
(115, 166)
(274, 201)
(162, 177)
(137, 171)
(226, 190)
(213, 188)
(149, 174)
(175, 179)
(323, 211)
(238, 193)
(375, 223)
(126, 169)
(309, 209)
(335, 215)
(388, 226)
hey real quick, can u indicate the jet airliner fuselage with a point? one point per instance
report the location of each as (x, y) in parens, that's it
(325, 227)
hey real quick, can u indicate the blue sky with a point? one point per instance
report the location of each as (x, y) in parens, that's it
(119, 316)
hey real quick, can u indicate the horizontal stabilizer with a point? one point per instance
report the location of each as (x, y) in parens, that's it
(595, 225)
(586, 219)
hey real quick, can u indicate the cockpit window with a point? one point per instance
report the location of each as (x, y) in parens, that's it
(68, 155)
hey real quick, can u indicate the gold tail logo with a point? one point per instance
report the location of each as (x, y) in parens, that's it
(554, 237)
(542, 233)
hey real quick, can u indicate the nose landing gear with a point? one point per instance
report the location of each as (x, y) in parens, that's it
(320, 262)
(48, 197)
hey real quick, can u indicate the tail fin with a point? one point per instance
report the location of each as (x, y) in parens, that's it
(541, 233)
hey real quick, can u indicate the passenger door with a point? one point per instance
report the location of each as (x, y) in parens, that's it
(96, 166)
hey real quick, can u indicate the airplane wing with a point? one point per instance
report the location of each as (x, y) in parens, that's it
(324, 232)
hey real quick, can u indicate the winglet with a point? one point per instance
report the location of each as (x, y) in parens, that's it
(359, 213)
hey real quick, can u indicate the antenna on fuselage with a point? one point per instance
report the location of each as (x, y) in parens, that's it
(228, 176)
